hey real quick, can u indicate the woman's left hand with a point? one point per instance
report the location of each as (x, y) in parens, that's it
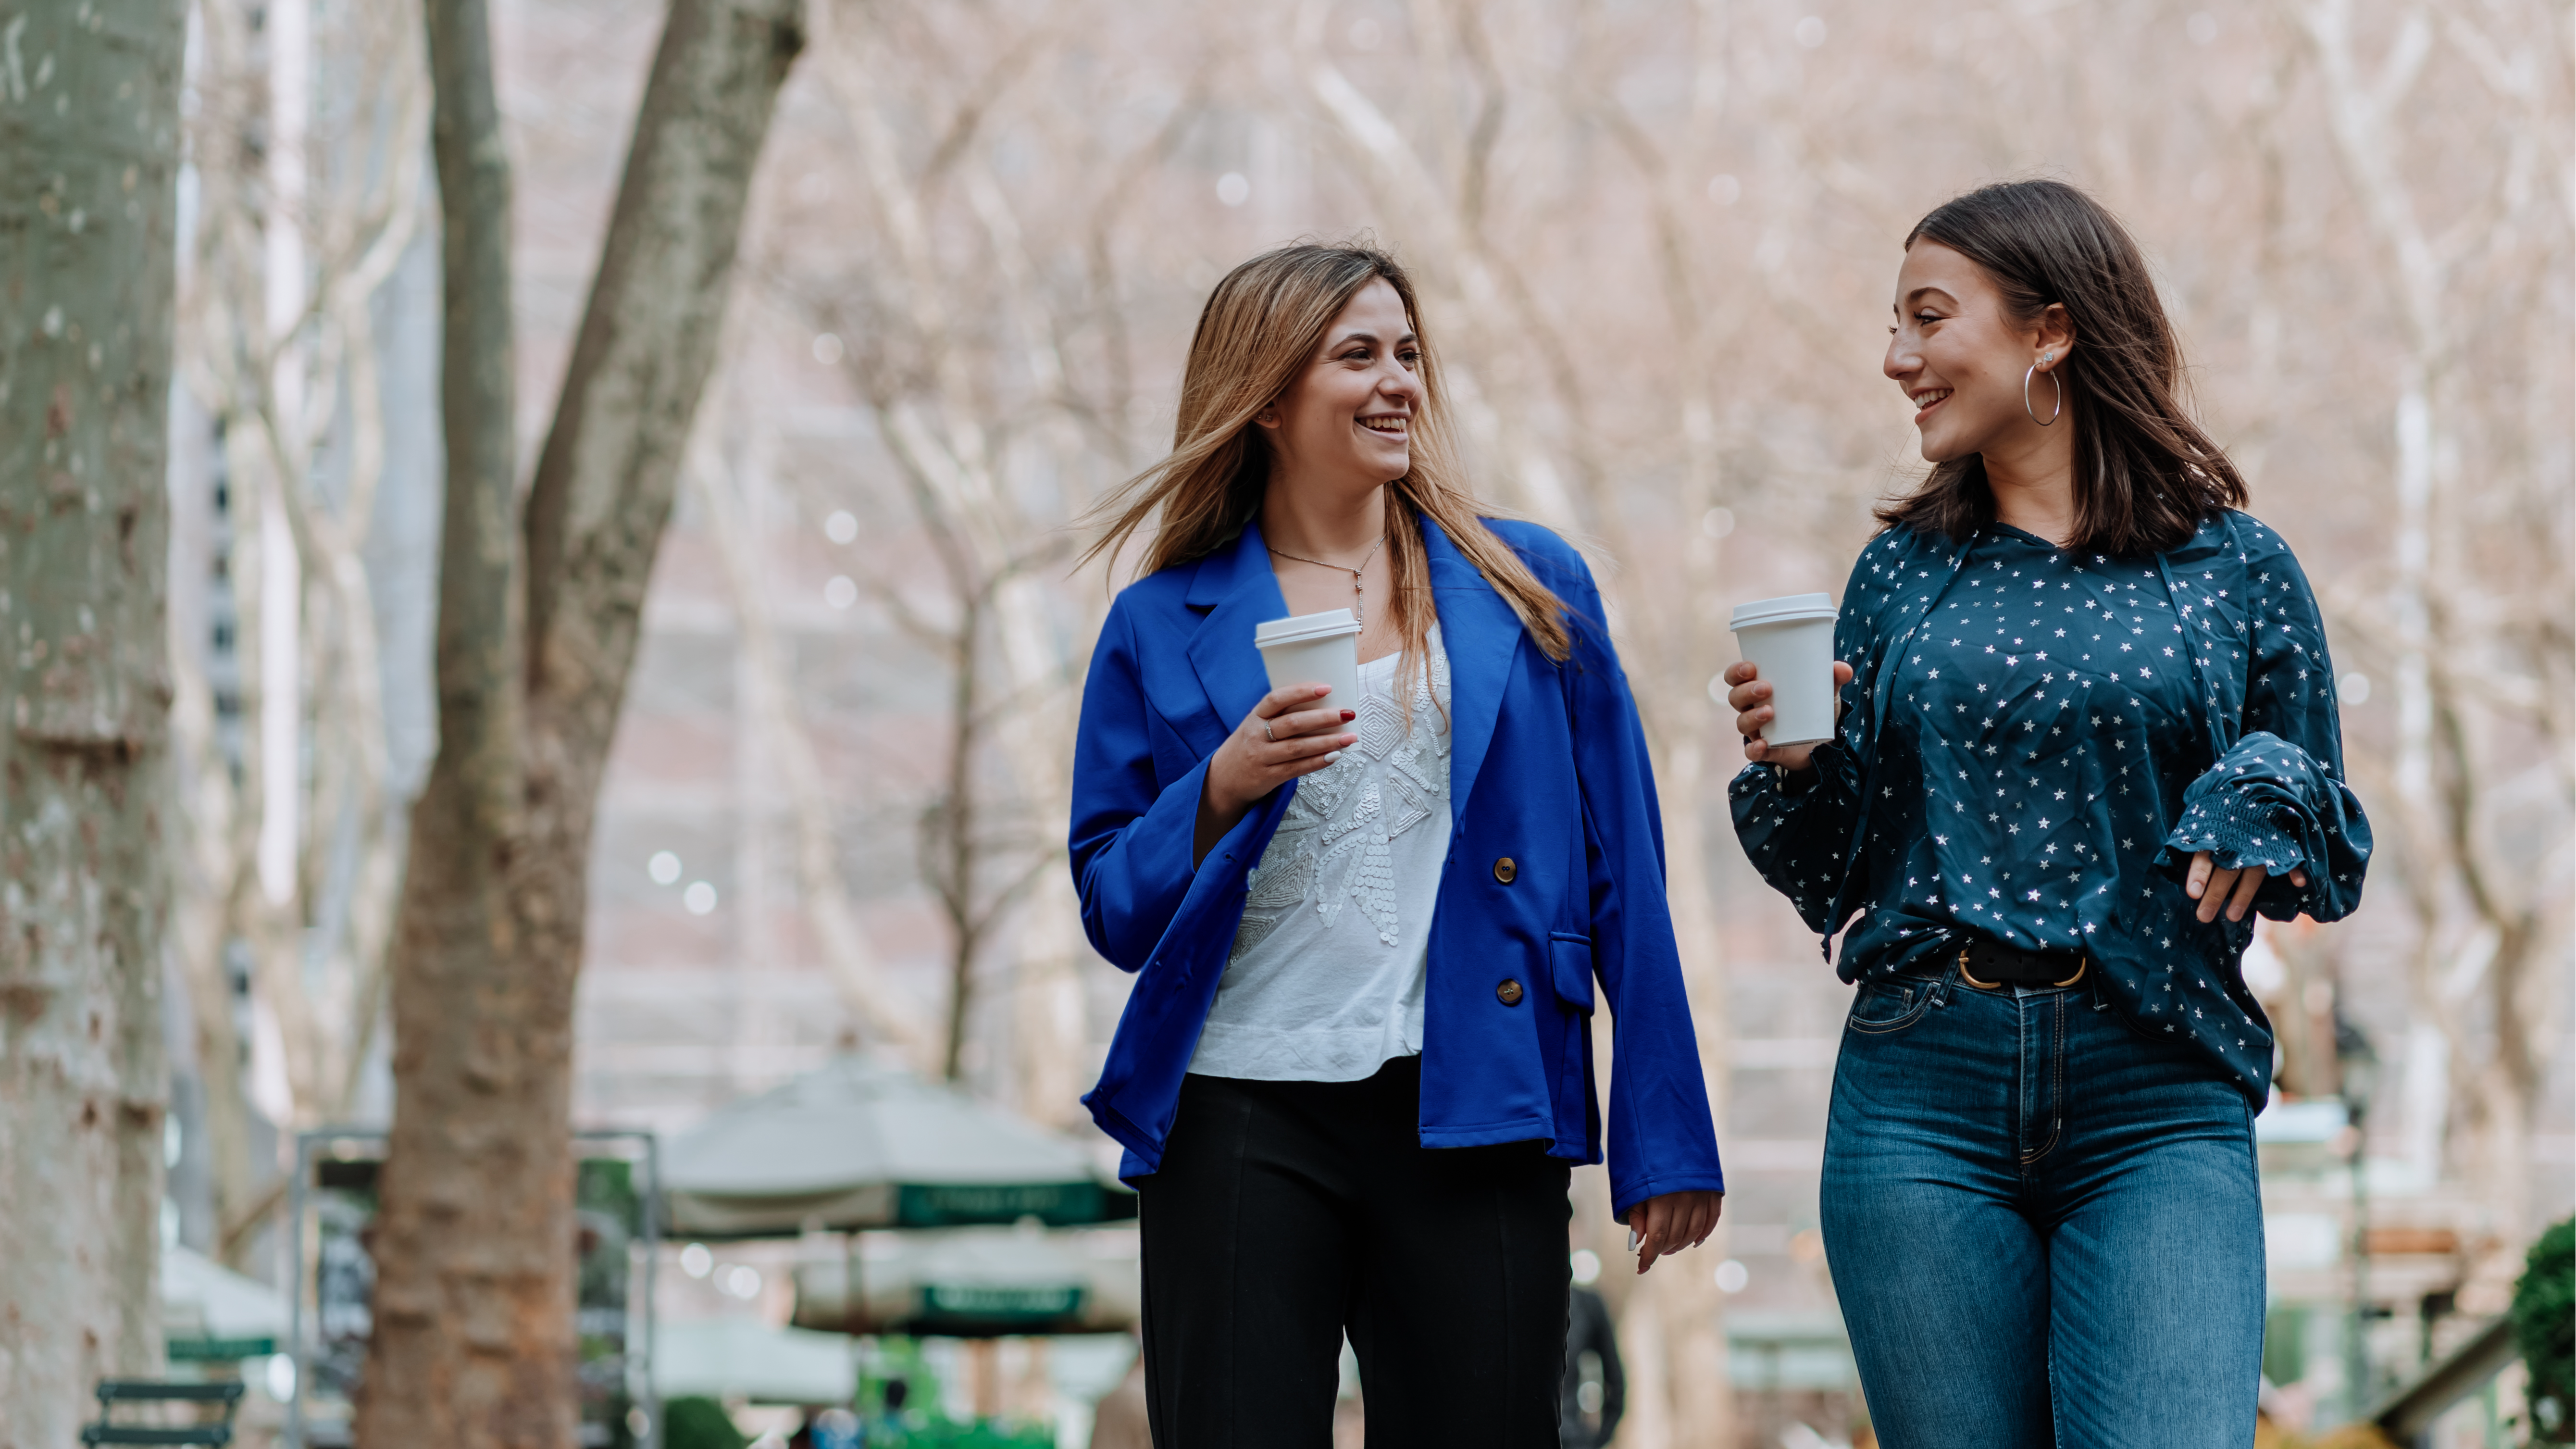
(2209, 885)
(1675, 1221)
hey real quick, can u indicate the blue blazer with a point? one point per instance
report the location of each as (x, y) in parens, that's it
(1555, 872)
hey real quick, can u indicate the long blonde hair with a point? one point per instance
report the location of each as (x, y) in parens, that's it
(1259, 330)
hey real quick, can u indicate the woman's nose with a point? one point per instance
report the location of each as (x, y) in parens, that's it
(1900, 359)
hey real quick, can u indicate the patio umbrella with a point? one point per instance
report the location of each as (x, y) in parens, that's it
(729, 1358)
(859, 1144)
(210, 1312)
(974, 1283)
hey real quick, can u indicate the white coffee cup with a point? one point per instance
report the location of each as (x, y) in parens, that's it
(1314, 649)
(1790, 642)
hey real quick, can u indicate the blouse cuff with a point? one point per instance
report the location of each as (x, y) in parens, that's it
(2253, 824)
(2269, 804)
(1763, 779)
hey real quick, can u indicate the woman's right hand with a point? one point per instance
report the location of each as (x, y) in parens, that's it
(1280, 740)
(1750, 698)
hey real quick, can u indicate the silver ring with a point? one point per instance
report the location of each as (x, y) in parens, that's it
(1266, 734)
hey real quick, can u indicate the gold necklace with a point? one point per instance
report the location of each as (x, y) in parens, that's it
(1359, 600)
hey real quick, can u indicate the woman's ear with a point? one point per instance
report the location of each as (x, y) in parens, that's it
(2055, 336)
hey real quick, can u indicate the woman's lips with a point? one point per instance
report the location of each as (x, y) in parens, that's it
(1925, 410)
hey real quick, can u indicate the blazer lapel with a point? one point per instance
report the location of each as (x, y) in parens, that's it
(1481, 634)
(1237, 592)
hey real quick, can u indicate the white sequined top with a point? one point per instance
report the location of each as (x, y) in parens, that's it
(1325, 980)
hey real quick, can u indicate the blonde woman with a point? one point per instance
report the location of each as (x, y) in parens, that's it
(1356, 1064)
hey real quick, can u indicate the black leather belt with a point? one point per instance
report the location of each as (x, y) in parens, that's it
(1985, 964)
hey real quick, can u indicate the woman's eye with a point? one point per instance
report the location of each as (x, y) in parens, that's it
(1927, 318)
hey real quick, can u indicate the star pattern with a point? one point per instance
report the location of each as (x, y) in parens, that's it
(2058, 733)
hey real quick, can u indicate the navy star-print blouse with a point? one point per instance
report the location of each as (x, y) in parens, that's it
(2034, 744)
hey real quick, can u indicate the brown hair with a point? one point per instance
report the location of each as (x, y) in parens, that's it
(2145, 474)
(1259, 330)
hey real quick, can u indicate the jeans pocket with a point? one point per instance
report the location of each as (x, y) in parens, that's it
(1884, 1006)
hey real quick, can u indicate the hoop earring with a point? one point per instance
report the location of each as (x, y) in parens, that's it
(2051, 419)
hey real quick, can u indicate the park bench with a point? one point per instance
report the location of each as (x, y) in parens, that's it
(213, 1433)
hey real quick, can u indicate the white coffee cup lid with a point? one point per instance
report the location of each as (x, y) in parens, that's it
(1788, 608)
(1306, 626)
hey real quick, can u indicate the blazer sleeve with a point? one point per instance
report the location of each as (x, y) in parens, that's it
(1132, 836)
(2277, 799)
(1662, 1137)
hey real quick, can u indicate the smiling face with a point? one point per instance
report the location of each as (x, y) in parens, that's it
(1347, 419)
(1960, 355)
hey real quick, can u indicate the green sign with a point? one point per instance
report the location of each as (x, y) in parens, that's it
(215, 1350)
(998, 1302)
(1057, 1204)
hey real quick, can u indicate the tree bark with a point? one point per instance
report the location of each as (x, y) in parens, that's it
(538, 613)
(89, 150)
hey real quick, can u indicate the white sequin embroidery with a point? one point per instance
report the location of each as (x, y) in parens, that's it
(1331, 849)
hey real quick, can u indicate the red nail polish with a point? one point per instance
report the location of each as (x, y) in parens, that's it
(1349, 714)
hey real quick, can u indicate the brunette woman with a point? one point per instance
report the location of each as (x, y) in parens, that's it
(2088, 725)
(1357, 1059)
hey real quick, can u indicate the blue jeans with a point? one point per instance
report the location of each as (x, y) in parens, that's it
(2044, 1225)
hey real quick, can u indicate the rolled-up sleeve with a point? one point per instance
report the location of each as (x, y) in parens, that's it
(2278, 799)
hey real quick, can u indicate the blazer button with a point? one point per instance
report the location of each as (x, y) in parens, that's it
(1505, 871)
(1509, 993)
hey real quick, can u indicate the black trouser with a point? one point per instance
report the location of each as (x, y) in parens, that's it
(1288, 1213)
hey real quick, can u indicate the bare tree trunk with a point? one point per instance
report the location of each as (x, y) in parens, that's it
(2480, 929)
(893, 1022)
(203, 848)
(291, 243)
(1004, 625)
(89, 151)
(538, 616)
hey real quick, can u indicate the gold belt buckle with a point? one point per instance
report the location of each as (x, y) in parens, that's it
(1997, 985)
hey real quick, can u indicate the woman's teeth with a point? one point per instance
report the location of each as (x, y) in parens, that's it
(1392, 427)
(1924, 400)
